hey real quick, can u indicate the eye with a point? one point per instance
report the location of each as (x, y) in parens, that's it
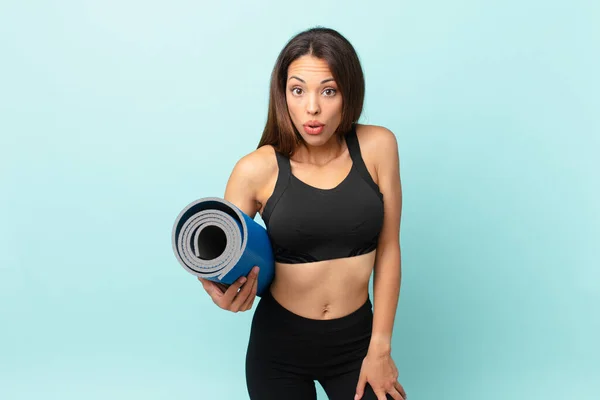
(330, 92)
(295, 91)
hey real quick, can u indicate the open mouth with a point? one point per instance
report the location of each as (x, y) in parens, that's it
(313, 128)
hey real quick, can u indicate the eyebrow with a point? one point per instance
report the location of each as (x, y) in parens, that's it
(301, 80)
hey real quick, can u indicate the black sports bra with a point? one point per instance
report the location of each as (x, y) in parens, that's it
(308, 224)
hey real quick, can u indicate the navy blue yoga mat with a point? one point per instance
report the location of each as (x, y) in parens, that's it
(214, 239)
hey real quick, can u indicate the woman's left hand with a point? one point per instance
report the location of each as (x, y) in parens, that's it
(380, 371)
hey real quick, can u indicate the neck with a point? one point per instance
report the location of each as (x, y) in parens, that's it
(320, 155)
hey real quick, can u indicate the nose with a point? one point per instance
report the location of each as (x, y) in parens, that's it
(313, 107)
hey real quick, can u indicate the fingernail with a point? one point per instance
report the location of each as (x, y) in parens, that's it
(242, 279)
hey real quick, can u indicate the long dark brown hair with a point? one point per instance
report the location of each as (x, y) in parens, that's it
(344, 64)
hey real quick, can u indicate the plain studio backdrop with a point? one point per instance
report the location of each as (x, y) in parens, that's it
(114, 115)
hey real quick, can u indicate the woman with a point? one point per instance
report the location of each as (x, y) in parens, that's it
(329, 192)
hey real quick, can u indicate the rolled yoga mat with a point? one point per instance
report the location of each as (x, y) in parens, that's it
(214, 239)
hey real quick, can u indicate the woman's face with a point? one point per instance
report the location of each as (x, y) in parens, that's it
(313, 99)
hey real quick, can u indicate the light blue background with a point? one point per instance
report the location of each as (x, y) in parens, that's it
(116, 114)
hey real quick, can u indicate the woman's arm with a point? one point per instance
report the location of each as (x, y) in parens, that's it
(241, 188)
(387, 269)
(245, 181)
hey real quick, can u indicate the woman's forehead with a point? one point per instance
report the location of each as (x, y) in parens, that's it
(309, 67)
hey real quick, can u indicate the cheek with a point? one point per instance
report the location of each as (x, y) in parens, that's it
(335, 106)
(292, 106)
(339, 102)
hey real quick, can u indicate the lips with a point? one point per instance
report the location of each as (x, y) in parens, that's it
(313, 127)
(314, 124)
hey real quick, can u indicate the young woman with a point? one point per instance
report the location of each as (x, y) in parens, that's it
(329, 192)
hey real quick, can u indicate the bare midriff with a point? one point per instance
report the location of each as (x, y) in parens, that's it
(325, 289)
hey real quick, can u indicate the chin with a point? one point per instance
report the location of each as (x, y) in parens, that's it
(316, 139)
(321, 138)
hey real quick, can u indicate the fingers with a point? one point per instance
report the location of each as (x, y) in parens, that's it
(239, 296)
(360, 387)
(245, 293)
(207, 283)
(231, 292)
(248, 303)
(211, 288)
(395, 390)
(382, 394)
(400, 389)
(222, 287)
(394, 393)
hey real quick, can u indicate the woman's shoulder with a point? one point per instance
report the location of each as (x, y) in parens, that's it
(379, 149)
(375, 137)
(257, 166)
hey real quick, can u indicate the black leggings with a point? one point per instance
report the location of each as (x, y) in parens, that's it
(287, 353)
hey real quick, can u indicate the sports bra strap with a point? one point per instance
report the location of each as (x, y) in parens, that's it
(283, 163)
(283, 177)
(355, 154)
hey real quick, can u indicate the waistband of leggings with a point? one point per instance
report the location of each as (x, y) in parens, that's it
(319, 325)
